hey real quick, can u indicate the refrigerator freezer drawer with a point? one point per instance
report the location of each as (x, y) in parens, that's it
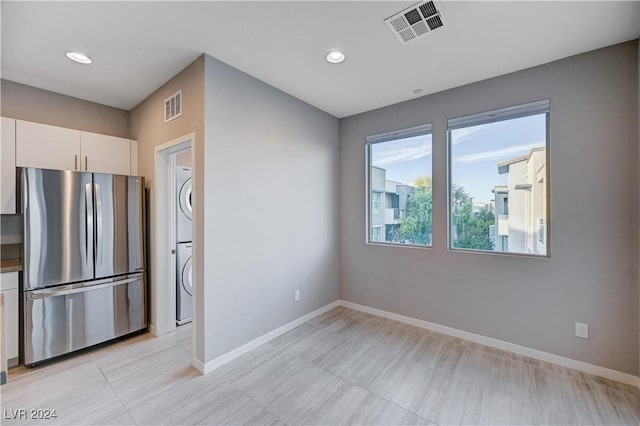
(63, 319)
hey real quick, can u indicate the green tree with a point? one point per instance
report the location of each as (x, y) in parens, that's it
(469, 229)
(416, 226)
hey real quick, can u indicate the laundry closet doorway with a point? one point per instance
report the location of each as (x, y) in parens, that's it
(171, 231)
(184, 241)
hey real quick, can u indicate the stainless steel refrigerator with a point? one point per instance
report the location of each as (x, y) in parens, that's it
(83, 274)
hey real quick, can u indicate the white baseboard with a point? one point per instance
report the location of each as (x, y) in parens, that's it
(153, 330)
(585, 367)
(209, 366)
(199, 365)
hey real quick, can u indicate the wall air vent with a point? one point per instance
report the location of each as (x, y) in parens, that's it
(415, 21)
(173, 106)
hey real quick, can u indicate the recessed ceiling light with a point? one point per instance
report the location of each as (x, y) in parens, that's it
(335, 57)
(417, 91)
(78, 57)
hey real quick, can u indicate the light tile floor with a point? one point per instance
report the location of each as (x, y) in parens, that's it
(344, 367)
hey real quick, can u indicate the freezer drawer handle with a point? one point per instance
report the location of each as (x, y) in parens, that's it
(70, 324)
(42, 294)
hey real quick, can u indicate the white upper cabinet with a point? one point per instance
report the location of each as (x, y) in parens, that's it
(8, 166)
(47, 147)
(58, 148)
(105, 154)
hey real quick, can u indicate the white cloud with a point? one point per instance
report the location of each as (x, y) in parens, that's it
(512, 151)
(464, 134)
(413, 150)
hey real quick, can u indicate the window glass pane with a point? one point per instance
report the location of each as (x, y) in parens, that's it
(375, 202)
(375, 233)
(400, 190)
(498, 195)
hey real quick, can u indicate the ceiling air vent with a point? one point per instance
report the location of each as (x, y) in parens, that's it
(415, 21)
(173, 106)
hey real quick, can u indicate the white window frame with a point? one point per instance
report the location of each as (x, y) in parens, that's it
(501, 114)
(423, 129)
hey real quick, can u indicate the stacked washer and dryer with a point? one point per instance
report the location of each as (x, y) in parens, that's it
(184, 275)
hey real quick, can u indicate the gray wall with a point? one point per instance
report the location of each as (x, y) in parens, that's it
(272, 208)
(147, 118)
(41, 106)
(592, 275)
(149, 128)
(11, 228)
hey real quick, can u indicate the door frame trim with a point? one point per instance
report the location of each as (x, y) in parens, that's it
(163, 228)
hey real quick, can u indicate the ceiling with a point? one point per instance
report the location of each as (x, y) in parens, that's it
(137, 46)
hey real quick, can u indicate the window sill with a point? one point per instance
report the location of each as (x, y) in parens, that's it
(382, 244)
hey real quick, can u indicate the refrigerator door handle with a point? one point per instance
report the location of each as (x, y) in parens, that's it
(78, 288)
(99, 224)
(88, 225)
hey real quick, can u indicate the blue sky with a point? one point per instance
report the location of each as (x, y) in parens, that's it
(404, 159)
(475, 153)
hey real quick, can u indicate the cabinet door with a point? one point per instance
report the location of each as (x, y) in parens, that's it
(11, 322)
(105, 154)
(47, 147)
(9, 286)
(8, 166)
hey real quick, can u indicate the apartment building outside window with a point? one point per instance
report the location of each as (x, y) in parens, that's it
(375, 233)
(399, 187)
(375, 202)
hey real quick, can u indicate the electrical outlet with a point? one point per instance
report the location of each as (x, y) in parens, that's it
(582, 330)
(296, 296)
